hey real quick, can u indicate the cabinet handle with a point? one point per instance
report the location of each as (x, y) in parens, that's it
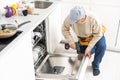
(116, 41)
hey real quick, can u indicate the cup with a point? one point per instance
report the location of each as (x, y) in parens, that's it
(22, 12)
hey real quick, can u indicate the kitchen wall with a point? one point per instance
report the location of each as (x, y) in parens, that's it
(3, 3)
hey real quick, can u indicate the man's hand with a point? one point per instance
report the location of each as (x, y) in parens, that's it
(72, 45)
(87, 53)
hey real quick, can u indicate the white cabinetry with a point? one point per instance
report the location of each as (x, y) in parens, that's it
(118, 36)
(17, 62)
(109, 16)
(54, 29)
(109, 13)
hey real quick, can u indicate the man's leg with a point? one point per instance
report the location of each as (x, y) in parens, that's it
(100, 48)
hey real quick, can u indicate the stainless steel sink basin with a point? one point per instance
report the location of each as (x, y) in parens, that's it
(42, 4)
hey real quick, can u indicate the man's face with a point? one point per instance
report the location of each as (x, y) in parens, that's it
(81, 20)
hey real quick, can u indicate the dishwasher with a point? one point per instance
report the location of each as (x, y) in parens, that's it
(55, 66)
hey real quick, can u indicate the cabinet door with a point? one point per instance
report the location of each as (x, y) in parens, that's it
(17, 62)
(118, 36)
(118, 42)
(109, 16)
(54, 29)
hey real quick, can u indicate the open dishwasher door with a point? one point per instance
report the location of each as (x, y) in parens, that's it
(62, 67)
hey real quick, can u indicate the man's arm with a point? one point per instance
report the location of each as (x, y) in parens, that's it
(67, 35)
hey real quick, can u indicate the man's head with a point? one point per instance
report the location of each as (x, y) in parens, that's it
(76, 13)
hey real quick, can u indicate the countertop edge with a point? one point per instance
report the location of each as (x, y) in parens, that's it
(32, 25)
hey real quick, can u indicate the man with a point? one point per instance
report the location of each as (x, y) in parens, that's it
(90, 35)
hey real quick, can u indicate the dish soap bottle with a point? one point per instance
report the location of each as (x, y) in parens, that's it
(9, 11)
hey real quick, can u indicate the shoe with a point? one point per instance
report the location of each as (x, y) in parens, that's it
(80, 56)
(96, 72)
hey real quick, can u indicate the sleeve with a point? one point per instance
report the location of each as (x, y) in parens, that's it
(66, 32)
(96, 32)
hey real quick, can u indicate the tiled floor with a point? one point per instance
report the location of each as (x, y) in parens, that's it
(110, 66)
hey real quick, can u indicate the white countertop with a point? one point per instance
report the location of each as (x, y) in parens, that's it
(35, 21)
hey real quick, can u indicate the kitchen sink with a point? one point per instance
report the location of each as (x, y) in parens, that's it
(42, 4)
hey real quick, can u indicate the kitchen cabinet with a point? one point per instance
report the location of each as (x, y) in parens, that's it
(108, 12)
(53, 30)
(17, 62)
(110, 18)
(109, 15)
(118, 36)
